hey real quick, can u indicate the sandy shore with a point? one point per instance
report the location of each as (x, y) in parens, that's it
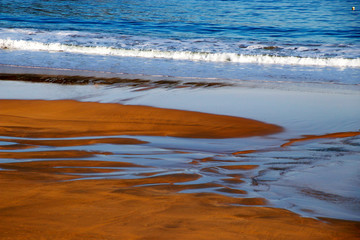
(39, 205)
(41, 200)
(66, 118)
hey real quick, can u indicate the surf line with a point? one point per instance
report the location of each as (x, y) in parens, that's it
(8, 44)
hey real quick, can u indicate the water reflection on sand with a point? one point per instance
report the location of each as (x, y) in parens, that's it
(315, 178)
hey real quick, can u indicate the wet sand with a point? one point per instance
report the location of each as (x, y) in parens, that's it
(67, 118)
(141, 83)
(43, 205)
(49, 193)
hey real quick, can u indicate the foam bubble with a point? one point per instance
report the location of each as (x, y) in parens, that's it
(179, 55)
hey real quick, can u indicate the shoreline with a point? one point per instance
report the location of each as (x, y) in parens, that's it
(67, 76)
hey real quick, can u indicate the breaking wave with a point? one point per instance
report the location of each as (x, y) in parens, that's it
(180, 55)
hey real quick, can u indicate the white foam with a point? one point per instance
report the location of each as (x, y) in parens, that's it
(179, 55)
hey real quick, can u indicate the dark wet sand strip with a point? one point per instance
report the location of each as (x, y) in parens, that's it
(140, 84)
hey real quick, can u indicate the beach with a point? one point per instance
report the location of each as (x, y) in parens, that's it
(40, 202)
(172, 161)
(176, 119)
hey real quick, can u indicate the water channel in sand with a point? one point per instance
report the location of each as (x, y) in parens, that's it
(315, 177)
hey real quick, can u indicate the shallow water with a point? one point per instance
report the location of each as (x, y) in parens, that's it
(317, 178)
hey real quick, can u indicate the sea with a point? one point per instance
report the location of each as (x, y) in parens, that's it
(295, 64)
(301, 41)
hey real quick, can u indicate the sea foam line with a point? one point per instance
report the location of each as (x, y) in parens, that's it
(178, 55)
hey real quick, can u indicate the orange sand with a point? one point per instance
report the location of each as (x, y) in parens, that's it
(67, 118)
(40, 200)
(312, 137)
(37, 205)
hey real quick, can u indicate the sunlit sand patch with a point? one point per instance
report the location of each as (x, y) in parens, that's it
(67, 118)
(233, 180)
(243, 152)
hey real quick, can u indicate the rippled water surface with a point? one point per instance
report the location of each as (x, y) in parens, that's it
(161, 37)
(287, 20)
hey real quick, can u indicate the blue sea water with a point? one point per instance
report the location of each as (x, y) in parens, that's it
(287, 39)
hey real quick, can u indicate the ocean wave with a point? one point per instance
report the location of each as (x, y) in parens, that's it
(180, 55)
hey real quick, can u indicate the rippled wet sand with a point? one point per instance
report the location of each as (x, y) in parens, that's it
(44, 204)
(78, 170)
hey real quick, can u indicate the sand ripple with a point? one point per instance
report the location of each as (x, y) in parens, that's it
(69, 172)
